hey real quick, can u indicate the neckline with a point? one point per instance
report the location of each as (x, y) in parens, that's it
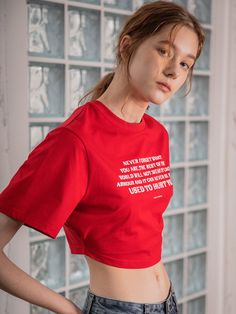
(119, 121)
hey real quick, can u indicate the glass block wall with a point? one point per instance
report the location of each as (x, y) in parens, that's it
(70, 47)
(185, 233)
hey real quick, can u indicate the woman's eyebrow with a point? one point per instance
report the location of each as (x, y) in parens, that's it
(174, 46)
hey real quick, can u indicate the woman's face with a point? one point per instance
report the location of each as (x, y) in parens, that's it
(156, 60)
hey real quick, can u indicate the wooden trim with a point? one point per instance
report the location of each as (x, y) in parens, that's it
(14, 124)
(4, 165)
(218, 158)
(230, 173)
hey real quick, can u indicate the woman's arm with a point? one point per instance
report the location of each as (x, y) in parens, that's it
(15, 281)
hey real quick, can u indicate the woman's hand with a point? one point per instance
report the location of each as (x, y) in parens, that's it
(77, 310)
(72, 308)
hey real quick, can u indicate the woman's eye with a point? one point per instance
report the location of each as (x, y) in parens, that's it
(185, 65)
(162, 51)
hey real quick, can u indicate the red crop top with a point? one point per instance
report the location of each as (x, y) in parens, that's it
(104, 180)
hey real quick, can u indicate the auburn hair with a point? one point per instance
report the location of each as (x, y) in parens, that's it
(145, 22)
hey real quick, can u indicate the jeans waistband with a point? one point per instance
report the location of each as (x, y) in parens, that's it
(146, 307)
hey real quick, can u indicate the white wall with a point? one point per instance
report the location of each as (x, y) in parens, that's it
(222, 232)
(230, 190)
(13, 120)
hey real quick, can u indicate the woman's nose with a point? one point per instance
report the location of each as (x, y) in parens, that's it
(171, 69)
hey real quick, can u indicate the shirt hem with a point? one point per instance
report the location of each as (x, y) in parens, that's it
(116, 262)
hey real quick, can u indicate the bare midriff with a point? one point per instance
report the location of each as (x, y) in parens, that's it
(142, 285)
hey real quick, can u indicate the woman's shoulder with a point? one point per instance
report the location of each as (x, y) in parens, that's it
(153, 123)
(78, 119)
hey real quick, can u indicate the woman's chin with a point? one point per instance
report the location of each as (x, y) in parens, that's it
(159, 100)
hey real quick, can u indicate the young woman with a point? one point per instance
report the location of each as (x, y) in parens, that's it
(104, 176)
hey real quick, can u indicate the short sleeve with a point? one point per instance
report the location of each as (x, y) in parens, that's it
(49, 184)
(168, 152)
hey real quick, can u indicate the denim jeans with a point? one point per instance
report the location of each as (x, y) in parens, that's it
(95, 304)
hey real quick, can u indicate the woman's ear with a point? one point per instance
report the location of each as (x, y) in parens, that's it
(124, 46)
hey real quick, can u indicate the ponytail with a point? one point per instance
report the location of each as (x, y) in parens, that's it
(99, 88)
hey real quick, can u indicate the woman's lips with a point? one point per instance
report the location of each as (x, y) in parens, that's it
(164, 87)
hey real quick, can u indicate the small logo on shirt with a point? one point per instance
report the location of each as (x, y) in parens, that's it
(157, 196)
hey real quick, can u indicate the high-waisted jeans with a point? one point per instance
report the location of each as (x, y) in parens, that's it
(95, 304)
